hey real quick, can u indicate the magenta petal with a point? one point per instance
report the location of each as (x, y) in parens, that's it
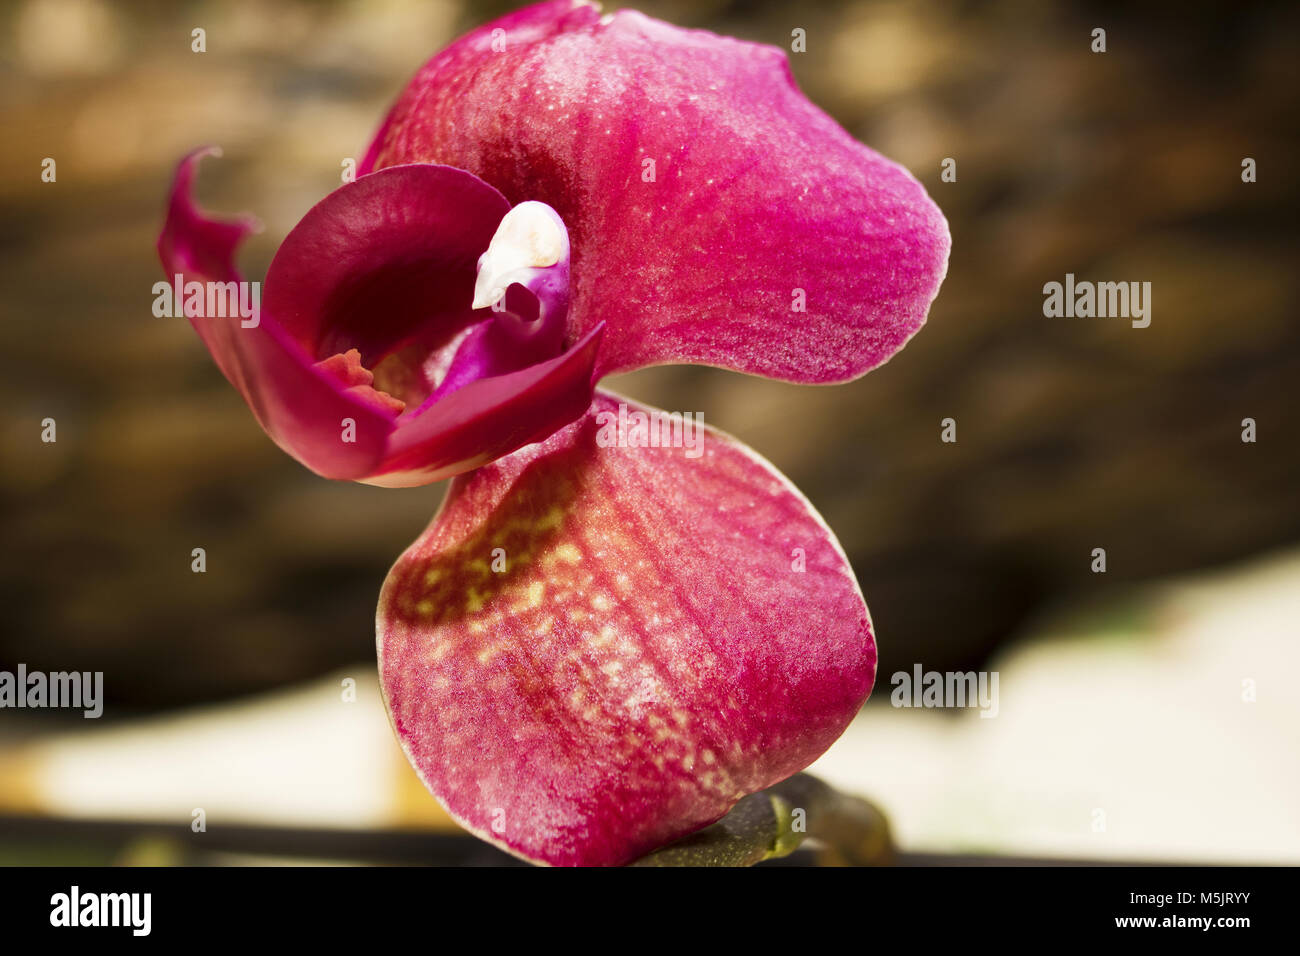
(491, 417)
(301, 408)
(657, 636)
(385, 261)
(760, 204)
(385, 266)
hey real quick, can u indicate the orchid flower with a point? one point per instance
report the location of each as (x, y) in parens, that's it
(595, 647)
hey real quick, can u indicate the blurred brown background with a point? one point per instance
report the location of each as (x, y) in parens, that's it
(1073, 433)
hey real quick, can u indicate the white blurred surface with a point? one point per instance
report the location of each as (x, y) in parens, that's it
(1135, 710)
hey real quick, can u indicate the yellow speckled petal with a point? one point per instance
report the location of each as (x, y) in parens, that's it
(595, 649)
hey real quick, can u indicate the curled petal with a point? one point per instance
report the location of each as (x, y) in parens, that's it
(716, 215)
(491, 417)
(385, 262)
(367, 304)
(300, 406)
(595, 648)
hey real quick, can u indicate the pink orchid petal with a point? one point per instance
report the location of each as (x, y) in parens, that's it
(300, 407)
(384, 261)
(757, 194)
(650, 653)
(491, 417)
(381, 267)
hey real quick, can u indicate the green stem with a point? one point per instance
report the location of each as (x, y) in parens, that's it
(847, 830)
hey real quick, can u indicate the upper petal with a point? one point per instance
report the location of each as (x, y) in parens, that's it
(707, 200)
(595, 648)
